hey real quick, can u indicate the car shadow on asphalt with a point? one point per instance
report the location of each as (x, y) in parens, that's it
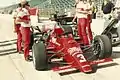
(115, 54)
(107, 65)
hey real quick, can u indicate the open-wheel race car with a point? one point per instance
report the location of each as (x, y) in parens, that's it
(57, 49)
(112, 30)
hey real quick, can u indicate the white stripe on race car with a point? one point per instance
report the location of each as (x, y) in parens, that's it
(66, 70)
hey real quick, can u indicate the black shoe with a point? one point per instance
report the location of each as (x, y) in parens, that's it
(21, 52)
(29, 58)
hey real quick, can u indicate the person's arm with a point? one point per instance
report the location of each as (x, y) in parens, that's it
(14, 14)
(14, 25)
(74, 19)
(89, 9)
(81, 11)
(22, 20)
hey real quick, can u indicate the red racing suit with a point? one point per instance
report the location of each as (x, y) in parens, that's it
(81, 14)
(17, 26)
(89, 20)
(25, 29)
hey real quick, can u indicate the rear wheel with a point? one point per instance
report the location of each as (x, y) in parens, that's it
(39, 56)
(102, 46)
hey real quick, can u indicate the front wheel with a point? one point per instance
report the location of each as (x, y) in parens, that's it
(102, 46)
(39, 56)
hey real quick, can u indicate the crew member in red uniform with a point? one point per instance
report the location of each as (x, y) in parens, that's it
(17, 26)
(89, 20)
(24, 18)
(81, 15)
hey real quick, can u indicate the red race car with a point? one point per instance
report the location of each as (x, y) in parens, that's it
(57, 49)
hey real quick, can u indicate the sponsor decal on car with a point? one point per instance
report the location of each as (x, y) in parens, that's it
(75, 51)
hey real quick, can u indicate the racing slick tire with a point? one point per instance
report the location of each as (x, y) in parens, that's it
(110, 36)
(39, 56)
(103, 46)
(31, 40)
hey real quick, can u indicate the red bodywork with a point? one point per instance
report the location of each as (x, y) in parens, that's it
(65, 46)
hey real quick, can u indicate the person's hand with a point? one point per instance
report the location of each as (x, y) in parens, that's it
(73, 21)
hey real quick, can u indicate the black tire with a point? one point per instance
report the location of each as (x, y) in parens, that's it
(31, 40)
(103, 46)
(39, 56)
(110, 36)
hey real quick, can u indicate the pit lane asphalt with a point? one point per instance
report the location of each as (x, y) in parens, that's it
(14, 67)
